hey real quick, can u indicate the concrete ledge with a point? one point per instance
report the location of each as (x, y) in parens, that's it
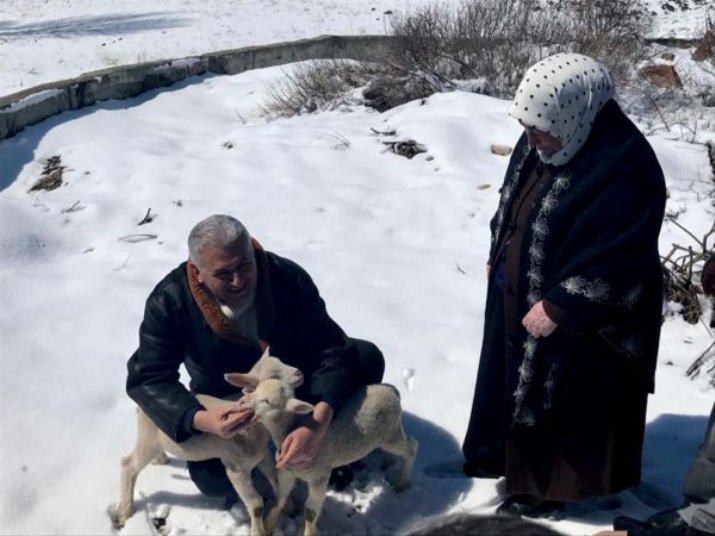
(36, 104)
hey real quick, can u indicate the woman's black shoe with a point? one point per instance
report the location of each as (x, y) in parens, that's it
(528, 506)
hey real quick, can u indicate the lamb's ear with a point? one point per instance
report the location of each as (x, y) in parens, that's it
(266, 353)
(298, 406)
(246, 381)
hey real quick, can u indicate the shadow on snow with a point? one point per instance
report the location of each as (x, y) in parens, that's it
(367, 506)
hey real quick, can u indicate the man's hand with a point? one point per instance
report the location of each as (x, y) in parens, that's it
(224, 421)
(301, 445)
(537, 322)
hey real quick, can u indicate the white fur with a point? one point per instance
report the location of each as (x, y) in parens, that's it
(370, 419)
(239, 454)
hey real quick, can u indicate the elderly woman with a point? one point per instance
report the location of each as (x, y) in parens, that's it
(573, 307)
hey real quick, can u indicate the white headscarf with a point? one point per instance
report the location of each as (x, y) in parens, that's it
(561, 95)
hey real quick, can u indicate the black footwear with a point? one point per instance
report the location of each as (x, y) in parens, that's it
(528, 506)
(668, 523)
(667, 519)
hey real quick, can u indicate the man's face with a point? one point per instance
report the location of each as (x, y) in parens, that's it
(230, 273)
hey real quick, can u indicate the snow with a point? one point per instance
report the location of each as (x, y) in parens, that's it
(397, 248)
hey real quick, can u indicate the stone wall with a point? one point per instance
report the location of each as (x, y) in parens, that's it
(35, 104)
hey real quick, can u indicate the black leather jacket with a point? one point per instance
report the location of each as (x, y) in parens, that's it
(292, 319)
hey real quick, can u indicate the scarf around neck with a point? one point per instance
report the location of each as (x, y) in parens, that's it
(211, 309)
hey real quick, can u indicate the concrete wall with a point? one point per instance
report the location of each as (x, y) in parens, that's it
(35, 104)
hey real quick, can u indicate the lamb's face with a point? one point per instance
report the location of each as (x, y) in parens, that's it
(267, 367)
(269, 397)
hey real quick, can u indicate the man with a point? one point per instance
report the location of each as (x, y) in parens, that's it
(216, 313)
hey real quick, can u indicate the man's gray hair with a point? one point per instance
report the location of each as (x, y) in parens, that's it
(218, 230)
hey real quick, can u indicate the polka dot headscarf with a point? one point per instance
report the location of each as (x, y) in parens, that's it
(561, 95)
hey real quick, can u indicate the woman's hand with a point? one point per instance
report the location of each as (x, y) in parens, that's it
(537, 322)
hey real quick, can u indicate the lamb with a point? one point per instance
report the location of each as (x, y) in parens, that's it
(370, 419)
(240, 454)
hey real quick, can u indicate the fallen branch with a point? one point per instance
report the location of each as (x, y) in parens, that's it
(408, 148)
(74, 208)
(147, 217)
(133, 238)
(696, 367)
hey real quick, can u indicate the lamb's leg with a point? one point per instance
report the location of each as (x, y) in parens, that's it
(286, 481)
(314, 504)
(406, 447)
(268, 469)
(161, 459)
(241, 480)
(146, 449)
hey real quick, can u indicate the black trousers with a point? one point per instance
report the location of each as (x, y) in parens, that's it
(210, 475)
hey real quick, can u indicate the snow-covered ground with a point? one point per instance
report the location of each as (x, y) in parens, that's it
(396, 246)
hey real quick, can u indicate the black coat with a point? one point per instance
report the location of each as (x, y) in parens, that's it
(574, 401)
(292, 320)
(591, 250)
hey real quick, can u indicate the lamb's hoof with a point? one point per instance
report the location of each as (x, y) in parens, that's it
(118, 521)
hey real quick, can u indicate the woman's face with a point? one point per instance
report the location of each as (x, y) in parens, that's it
(542, 141)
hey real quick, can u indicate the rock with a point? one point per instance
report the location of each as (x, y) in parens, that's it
(706, 47)
(664, 76)
(50, 181)
(501, 150)
(668, 56)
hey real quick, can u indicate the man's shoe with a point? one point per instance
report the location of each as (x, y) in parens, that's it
(341, 478)
(529, 506)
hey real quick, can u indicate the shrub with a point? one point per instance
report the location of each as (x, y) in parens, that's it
(610, 30)
(316, 85)
(500, 39)
(494, 41)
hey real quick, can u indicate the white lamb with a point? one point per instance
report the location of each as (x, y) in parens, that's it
(239, 454)
(370, 419)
